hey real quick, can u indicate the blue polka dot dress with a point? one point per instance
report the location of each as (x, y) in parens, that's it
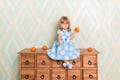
(66, 51)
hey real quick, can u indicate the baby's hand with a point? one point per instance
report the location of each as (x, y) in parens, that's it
(59, 43)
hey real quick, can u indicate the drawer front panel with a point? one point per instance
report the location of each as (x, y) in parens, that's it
(74, 75)
(57, 63)
(76, 63)
(27, 61)
(43, 61)
(27, 74)
(43, 74)
(89, 61)
(58, 74)
(90, 74)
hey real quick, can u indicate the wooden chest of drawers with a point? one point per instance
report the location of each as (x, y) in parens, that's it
(38, 66)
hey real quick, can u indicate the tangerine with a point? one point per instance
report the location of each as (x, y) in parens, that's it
(76, 29)
(89, 49)
(33, 49)
(44, 47)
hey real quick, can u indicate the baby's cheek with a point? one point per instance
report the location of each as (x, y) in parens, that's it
(61, 26)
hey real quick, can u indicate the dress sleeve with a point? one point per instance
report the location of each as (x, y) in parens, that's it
(59, 31)
(70, 33)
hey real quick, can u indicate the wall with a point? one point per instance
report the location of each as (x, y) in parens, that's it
(27, 23)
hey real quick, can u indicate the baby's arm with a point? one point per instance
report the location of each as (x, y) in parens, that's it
(72, 35)
(59, 39)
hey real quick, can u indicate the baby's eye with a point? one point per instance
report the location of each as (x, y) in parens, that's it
(62, 22)
(67, 22)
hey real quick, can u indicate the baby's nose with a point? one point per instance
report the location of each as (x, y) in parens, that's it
(65, 24)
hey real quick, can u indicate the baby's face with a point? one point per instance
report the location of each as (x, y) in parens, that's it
(64, 25)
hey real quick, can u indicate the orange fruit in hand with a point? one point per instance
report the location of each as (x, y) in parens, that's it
(76, 29)
(44, 47)
(33, 49)
(89, 49)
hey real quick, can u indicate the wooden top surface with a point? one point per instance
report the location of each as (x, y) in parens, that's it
(83, 51)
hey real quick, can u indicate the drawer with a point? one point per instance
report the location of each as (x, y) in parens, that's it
(90, 74)
(74, 75)
(43, 61)
(43, 74)
(76, 63)
(27, 61)
(57, 63)
(27, 74)
(89, 61)
(58, 74)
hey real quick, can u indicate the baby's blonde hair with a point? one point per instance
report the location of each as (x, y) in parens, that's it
(62, 19)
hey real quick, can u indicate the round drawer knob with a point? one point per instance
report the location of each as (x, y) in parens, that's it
(42, 76)
(27, 62)
(43, 62)
(26, 76)
(58, 77)
(91, 76)
(73, 62)
(74, 76)
(58, 62)
(89, 62)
